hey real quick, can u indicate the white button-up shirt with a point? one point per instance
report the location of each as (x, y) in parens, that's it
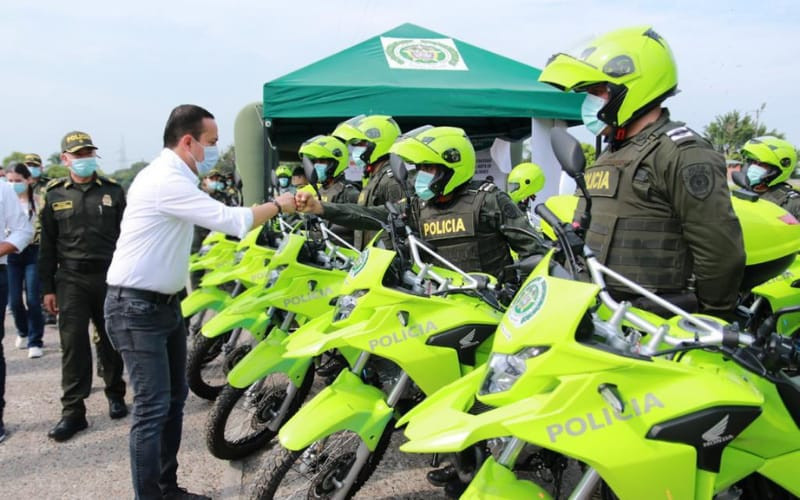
(164, 205)
(14, 221)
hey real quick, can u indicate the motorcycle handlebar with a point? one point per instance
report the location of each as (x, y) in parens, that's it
(547, 215)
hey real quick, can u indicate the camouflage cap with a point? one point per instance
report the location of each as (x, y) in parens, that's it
(32, 159)
(76, 140)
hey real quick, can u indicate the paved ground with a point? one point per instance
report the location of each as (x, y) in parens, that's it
(94, 464)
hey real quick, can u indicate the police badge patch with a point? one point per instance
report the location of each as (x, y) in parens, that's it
(698, 179)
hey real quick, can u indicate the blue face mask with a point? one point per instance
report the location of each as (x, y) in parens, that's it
(84, 167)
(589, 109)
(422, 185)
(35, 171)
(322, 171)
(210, 158)
(19, 187)
(755, 174)
(283, 181)
(216, 185)
(355, 154)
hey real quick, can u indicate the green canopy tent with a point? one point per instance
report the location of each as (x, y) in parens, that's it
(417, 76)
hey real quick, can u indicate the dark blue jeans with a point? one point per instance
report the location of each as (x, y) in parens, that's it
(23, 274)
(3, 300)
(152, 340)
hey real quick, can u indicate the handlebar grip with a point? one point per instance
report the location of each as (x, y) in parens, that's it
(767, 327)
(547, 215)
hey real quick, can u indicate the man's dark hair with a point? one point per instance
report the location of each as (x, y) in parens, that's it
(185, 119)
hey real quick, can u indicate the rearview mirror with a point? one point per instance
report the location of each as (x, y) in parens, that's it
(308, 168)
(399, 169)
(568, 152)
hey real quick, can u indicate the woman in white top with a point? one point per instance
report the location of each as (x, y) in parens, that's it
(23, 273)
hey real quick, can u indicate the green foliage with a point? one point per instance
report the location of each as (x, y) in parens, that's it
(56, 171)
(728, 132)
(227, 161)
(16, 156)
(54, 159)
(589, 153)
(125, 177)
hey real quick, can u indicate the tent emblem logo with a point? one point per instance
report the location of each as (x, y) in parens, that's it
(422, 53)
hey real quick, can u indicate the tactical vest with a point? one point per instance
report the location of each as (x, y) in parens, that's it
(367, 199)
(781, 194)
(633, 230)
(459, 234)
(335, 194)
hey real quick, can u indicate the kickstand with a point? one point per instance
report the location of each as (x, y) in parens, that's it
(435, 460)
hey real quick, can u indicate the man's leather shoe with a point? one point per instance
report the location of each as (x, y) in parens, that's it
(117, 408)
(440, 477)
(179, 493)
(67, 427)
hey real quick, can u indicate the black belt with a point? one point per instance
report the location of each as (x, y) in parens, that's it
(136, 293)
(85, 266)
(3, 267)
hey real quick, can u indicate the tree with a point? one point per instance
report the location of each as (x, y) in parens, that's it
(728, 132)
(227, 162)
(56, 171)
(125, 176)
(16, 156)
(54, 159)
(589, 153)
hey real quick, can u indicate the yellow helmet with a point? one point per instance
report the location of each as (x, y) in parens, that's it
(524, 181)
(328, 150)
(636, 63)
(777, 153)
(378, 131)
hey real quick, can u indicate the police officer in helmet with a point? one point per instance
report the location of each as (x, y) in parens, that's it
(661, 209)
(369, 139)
(466, 220)
(769, 162)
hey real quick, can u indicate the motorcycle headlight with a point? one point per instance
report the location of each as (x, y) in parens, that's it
(505, 369)
(274, 275)
(345, 305)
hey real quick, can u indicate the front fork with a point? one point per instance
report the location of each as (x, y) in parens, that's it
(363, 453)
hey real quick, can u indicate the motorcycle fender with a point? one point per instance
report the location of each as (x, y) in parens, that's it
(346, 404)
(493, 481)
(264, 359)
(458, 395)
(204, 298)
(226, 321)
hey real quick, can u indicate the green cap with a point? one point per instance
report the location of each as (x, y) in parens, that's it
(76, 140)
(32, 159)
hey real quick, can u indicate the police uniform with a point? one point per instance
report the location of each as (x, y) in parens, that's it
(80, 224)
(661, 214)
(785, 196)
(340, 192)
(469, 230)
(380, 188)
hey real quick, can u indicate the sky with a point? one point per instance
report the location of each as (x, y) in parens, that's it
(116, 69)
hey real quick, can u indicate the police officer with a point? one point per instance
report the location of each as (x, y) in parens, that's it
(769, 163)
(465, 220)
(283, 174)
(80, 222)
(661, 209)
(369, 139)
(524, 181)
(329, 158)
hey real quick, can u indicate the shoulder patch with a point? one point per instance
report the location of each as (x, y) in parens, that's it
(682, 134)
(55, 182)
(507, 206)
(488, 186)
(698, 179)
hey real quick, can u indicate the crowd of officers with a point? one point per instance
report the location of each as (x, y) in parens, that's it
(661, 212)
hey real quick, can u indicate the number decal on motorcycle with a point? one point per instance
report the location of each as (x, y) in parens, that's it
(528, 301)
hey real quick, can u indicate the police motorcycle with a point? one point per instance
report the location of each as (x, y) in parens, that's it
(217, 249)
(209, 358)
(408, 322)
(261, 389)
(688, 407)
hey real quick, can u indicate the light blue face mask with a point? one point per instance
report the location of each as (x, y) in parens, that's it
(35, 171)
(422, 185)
(216, 185)
(84, 167)
(589, 109)
(19, 187)
(755, 174)
(283, 181)
(210, 158)
(355, 154)
(322, 171)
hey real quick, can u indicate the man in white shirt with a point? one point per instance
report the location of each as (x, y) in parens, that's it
(150, 266)
(15, 224)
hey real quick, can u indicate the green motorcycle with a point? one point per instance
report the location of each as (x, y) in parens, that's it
(261, 389)
(407, 327)
(688, 407)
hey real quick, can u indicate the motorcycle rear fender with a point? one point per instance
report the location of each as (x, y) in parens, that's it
(205, 298)
(264, 359)
(493, 481)
(346, 404)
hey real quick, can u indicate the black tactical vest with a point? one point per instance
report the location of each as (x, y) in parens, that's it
(461, 236)
(781, 194)
(335, 194)
(367, 199)
(634, 229)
